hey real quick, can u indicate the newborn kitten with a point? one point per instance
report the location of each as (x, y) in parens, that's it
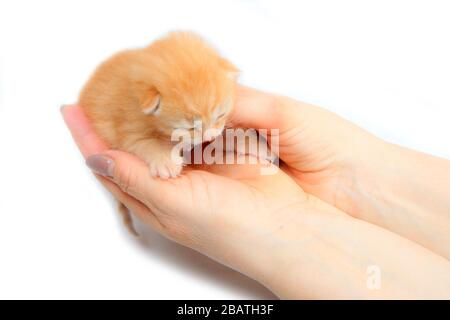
(138, 97)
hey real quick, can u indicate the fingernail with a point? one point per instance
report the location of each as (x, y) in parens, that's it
(101, 165)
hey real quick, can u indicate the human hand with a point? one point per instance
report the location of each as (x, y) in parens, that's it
(321, 151)
(263, 226)
(398, 189)
(220, 210)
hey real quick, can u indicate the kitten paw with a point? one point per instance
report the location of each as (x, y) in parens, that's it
(165, 168)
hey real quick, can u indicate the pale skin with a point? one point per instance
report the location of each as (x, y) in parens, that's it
(158, 156)
(343, 203)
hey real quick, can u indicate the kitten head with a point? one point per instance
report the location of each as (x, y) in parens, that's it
(188, 86)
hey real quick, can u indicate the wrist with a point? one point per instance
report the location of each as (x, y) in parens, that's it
(323, 253)
(403, 191)
(276, 247)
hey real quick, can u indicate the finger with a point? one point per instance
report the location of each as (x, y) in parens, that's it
(264, 177)
(238, 171)
(254, 109)
(133, 177)
(89, 143)
(130, 173)
(82, 132)
(138, 208)
(261, 110)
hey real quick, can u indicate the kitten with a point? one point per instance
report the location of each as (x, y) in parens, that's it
(137, 98)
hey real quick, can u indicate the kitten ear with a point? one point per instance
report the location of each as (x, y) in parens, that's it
(230, 69)
(151, 102)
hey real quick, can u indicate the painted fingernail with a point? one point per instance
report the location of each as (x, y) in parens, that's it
(101, 165)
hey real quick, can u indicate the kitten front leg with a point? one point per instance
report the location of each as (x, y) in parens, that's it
(162, 159)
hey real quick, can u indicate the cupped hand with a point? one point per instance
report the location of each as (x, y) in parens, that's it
(321, 151)
(266, 226)
(398, 189)
(220, 210)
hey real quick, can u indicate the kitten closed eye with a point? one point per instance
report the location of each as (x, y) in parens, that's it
(137, 98)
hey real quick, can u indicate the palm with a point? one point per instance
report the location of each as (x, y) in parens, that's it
(208, 195)
(202, 195)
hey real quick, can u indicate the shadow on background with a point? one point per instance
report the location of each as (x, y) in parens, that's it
(199, 265)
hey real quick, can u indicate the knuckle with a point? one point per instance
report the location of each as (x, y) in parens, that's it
(126, 179)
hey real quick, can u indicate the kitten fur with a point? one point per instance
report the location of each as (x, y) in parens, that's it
(136, 98)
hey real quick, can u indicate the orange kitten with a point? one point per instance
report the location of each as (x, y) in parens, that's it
(137, 98)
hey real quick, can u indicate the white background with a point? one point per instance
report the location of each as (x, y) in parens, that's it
(382, 64)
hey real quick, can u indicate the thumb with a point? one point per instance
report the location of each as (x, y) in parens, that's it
(254, 109)
(262, 110)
